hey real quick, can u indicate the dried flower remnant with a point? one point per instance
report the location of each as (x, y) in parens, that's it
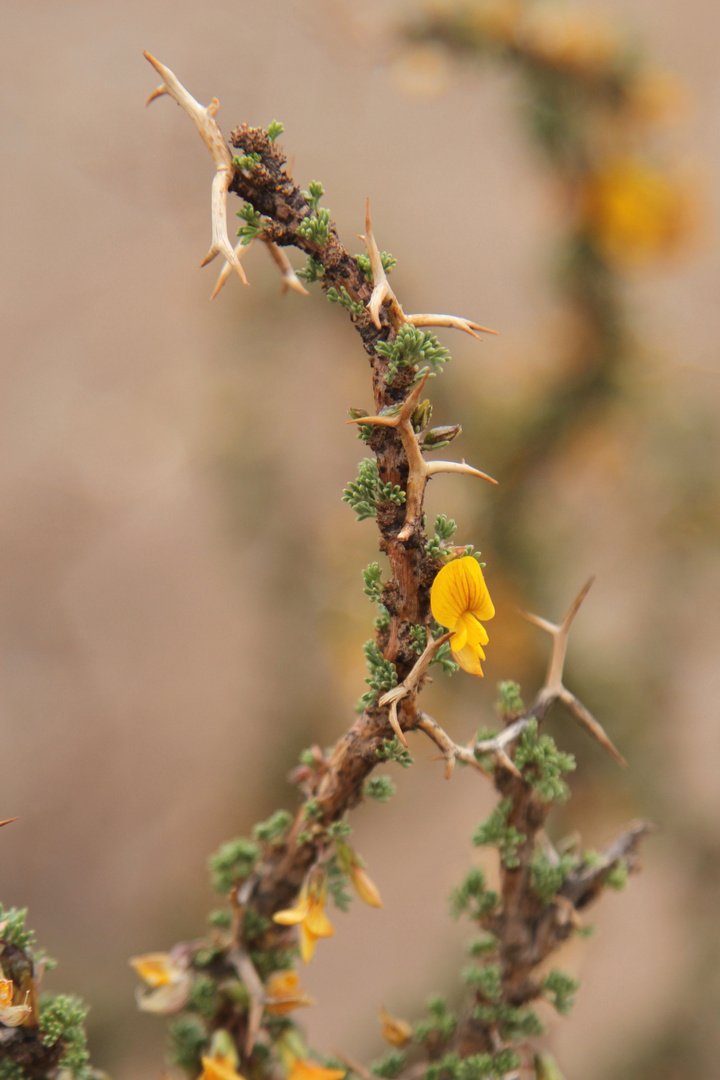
(284, 993)
(167, 978)
(12, 1015)
(308, 914)
(460, 601)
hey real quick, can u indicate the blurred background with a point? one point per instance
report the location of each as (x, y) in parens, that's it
(181, 604)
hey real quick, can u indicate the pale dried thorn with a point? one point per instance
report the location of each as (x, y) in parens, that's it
(395, 724)
(455, 322)
(290, 280)
(7, 821)
(457, 467)
(157, 92)
(575, 606)
(585, 718)
(537, 620)
(507, 763)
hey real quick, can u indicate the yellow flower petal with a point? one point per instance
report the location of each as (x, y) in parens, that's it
(156, 969)
(365, 887)
(316, 921)
(457, 588)
(308, 1070)
(396, 1032)
(293, 916)
(219, 1068)
(469, 660)
(307, 943)
(285, 987)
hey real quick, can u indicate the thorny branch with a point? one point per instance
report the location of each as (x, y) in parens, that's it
(527, 929)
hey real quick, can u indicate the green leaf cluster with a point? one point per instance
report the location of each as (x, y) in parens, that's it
(487, 980)
(445, 529)
(389, 1066)
(188, 1040)
(496, 832)
(232, 862)
(273, 830)
(542, 764)
(474, 1067)
(275, 128)
(560, 989)
(472, 897)
(62, 1019)
(382, 674)
(393, 750)
(509, 702)
(372, 577)
(440, 1024)
(356, 307)
(253, 226)
(14, 930)
(388, 262)
(247, 161)
(547, 877)
(512, 1023)
(380, 788)
(316, 227)
(313, 271)
(366, 492)
(412, 347)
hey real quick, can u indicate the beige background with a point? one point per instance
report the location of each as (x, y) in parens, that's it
(180, 601)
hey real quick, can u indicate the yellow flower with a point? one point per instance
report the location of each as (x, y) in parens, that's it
(396, 1032)
(219, 1067)
(12, 1015)
(459, 599)
(309, 1070)
(167, 978)
(285, 992)
(636, 212)
(309, 915)
(364, 886)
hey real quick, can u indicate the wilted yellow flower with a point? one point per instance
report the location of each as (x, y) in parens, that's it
(286, 993)
(396, 1032)
(364, 886)
(168, 981)
(12, 1015)
(309, 1070)
(309, 915)
(459, 599)
(636, 212)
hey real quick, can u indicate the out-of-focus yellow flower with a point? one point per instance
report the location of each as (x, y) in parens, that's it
(286, 993)
(495, 19)
(564, 38)
(309, 915)
(656, 97)
(459, 600)
(396, 1032)
(635, 212)
(168, 981)
(219, 1067)
(422, 71)
(310, 1070)
(364, 886)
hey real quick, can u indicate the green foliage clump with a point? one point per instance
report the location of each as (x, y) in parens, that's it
(496, 832)
(232, 862)
(415, 348)
(188, 1040)
(315, 227)
(253, 226)
(372, 577)
(390, 1066)
(382, 672)
(312, 271)
(474, 1067)
(560, 989)
(512, 1023)
(356, 307)
(510, 703)
(220, 919)
(472, 897)
(617, 875)
(14, 930)
(382, 622)
(548, 877)
(542, 764)
(336, 884)
(10, 1070)
(247, 161)
(203, 997)
(273, 830)
(366, 493)
(443, 656)
(445, 529)
(440, 1025)
(62, 1020)
(393, 750)
(275, 128)
(380, 788)
(388, 263)
(487, 980)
